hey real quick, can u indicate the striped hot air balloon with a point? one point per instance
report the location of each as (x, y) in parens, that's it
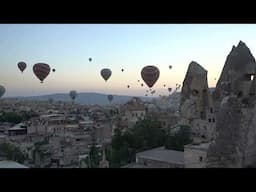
(150, 75)
(41, 70)
(22, 66)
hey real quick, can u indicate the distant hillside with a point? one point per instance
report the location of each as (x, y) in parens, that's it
(85, 98)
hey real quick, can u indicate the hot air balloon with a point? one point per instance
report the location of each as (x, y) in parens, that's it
(41, 70)
(169, 89)
(50, 100)
(53, 70)
(105, 73)
(73, 95)
(170, 67)
(2, 91)
(110, 98)
(22, 66)
(150, 75)
(90, 59)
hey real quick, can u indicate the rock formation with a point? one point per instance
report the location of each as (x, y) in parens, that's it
(196, 108)
(234, 101)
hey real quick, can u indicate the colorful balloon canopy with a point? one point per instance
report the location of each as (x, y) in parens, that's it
(150, 75)
(73, 94)
(110, 98)
(41, 71)
(106, 73)
(2, 90)
(22, 66)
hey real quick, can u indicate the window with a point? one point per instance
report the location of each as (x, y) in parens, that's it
(211, 110)
(248, 77)
(240, 94)
(209, 120)
(213, 120)
(195, 92)
(200, 158)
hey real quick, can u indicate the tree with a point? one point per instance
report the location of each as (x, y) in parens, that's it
(177, 140)
(146, 134)
(94, 157)
(11, 152)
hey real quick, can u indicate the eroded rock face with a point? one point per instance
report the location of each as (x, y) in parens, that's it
(237, 75)
(235, 144)
(196, 108)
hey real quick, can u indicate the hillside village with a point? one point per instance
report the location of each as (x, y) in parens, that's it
(220, 123)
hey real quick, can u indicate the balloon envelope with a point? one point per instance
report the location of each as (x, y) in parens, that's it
(2, 90)
(41, 70)
(110, 98)
(73, 94)
(105, 73)
(150, 75)
(22, 66)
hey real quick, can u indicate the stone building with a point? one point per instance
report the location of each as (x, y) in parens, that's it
(133, 111)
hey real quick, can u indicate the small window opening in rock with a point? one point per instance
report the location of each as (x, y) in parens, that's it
(252, 94)
(240, 94)
(211, 110)
(209, 120)
(200, 158)
(248, 77)
(195, 92)
(213, 120)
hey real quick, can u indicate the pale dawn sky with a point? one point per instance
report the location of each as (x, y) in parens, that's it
(67, 47)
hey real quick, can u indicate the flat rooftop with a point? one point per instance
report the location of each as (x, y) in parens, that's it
(11, 164)
(163, 155)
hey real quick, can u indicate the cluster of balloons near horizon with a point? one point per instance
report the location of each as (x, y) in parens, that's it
(149, 74)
